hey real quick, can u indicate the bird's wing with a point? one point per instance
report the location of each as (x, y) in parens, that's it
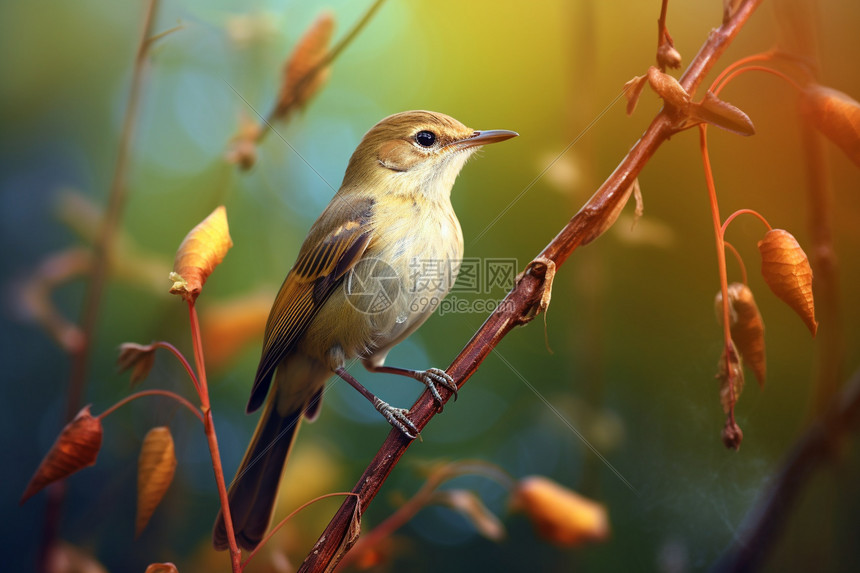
(319, 269)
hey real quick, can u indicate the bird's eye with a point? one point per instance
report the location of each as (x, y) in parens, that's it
(425, 138)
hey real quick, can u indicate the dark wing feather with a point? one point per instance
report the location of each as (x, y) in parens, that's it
(317, 272)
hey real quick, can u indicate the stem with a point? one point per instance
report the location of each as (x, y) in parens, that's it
(741, 264)
(761, 57)
(167, 346)
(289, 517)
(116, 202)
(721, 259)
(212, 439)
(731, 218)
(757, 69)
(517, 307)
(143, 393)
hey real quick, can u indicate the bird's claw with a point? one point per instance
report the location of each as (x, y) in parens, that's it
(433, 376)
(397, 417)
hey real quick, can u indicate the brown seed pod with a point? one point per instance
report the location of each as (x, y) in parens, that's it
(76, 448)
(746, 326)
(200, 252)
(834, 114)
(787, 272)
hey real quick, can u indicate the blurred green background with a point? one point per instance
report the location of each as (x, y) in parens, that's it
(631, 327)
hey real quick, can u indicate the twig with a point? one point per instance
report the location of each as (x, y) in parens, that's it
(764, 522)
(212, 438)
(520, 303)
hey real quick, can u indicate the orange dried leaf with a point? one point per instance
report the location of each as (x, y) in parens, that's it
(722, 114)
(836, 115)
(298, 87)
(746, 326)
(787, 272)
(155, 468)
(76, 447)
(470, 506)
(632, 91)
(560, 515)
(730, 373)
(138, 358)
(200, 252)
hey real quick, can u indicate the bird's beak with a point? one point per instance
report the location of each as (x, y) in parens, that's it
(483, 138)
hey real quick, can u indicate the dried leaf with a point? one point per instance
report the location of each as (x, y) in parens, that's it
(200, 252)
(668, 88)
(836, 115)
(632, 91)
(76, 447)
(722, 114)
(138, 358)
(162, 568)
(746, 326)
(730, 373)
(609, 219)
(230, 326)
(470, 506)
(155, 468)
(309, 51)
(787, 272)
(350, 537)
(559, 514)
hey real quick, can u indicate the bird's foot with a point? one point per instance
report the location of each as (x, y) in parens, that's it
(397, 417)
(433, 376)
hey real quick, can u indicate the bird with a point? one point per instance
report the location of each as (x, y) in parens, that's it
(373, 267)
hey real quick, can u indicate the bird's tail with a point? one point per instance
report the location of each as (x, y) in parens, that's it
(255, 487)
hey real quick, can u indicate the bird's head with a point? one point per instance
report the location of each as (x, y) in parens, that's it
(416, 151)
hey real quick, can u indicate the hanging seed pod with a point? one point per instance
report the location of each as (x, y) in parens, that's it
(834, 114)
(155, 468)
(76, 448)
(787, 272)
(746, 326)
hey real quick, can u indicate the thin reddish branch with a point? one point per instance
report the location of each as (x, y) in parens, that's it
(156, 392)
(212, 438)
(521, 303)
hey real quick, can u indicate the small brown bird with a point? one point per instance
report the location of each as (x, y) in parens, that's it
(372, 269)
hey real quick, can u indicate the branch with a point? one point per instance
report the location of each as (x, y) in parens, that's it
(528, 297)
(819, 445)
